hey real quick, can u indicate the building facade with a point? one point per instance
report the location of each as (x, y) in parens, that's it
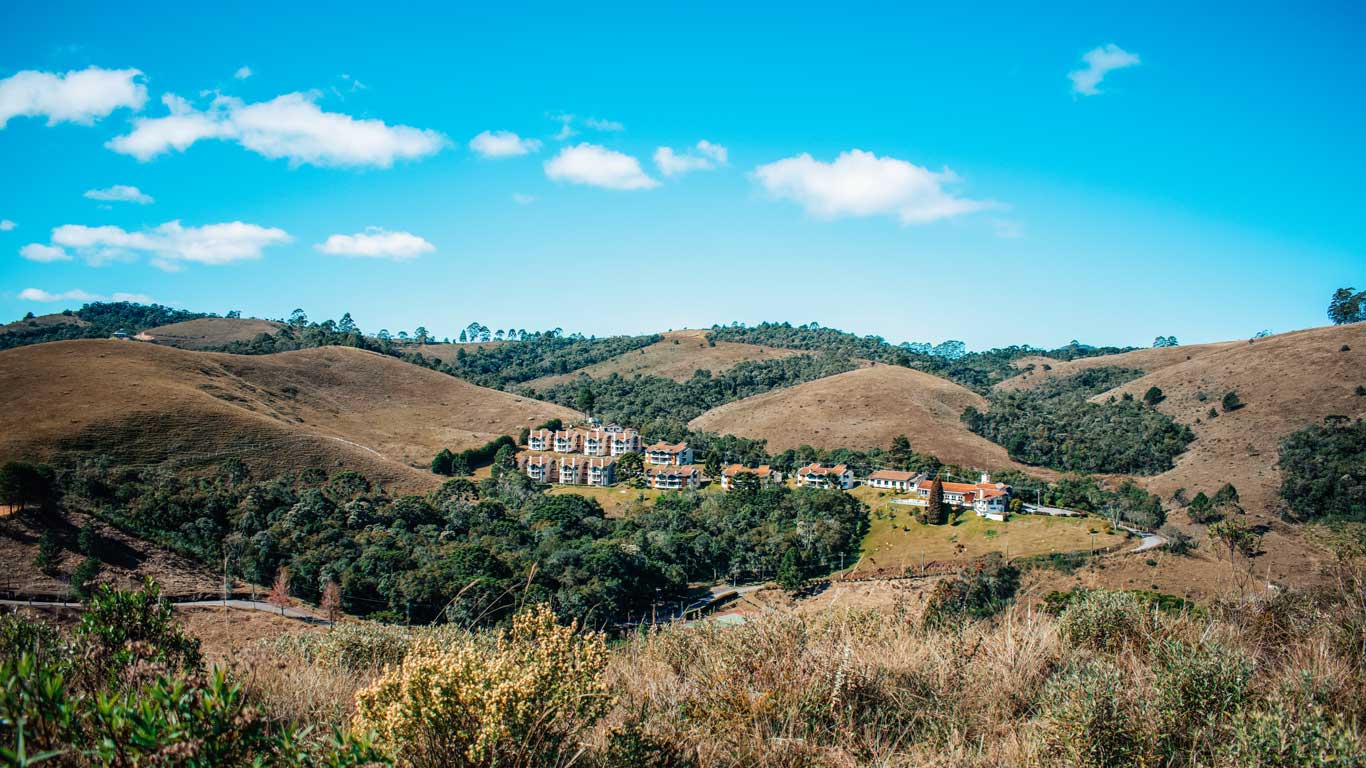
(821, 476)
(766, 474)
(893, 480)
(672, 454)
(672, 478)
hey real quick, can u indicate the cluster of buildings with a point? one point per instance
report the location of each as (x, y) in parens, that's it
(588, 456)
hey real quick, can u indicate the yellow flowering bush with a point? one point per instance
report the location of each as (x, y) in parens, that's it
(518, 696)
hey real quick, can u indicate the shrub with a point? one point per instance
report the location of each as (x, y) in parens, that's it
(121, 628)
(1283, 735)
(980, 591)
(1230, 402)
(1103, 620)
(1091, 717)
(49, 552)
(1198, 689)
(81, 577)
(520, 696)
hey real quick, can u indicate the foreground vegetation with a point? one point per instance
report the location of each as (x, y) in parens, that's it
(1100, 678)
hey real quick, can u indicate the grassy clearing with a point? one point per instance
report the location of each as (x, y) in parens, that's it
(614, 500)
(895, 538)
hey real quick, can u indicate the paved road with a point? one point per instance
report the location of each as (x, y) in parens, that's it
(249, 605)
(1147, 540)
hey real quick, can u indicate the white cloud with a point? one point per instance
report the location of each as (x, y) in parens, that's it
(6, 225)
(38, 294)
(706, 157)
(377, 243)
(860, 183)
(82, 96)
(1100, 61)
(120, 193)
(566, 122)
(521, 199)
(598, 167)
(242, 73)
(599, 124)
(171, 243)
(503, 144)
(43, 253)
(291, 126)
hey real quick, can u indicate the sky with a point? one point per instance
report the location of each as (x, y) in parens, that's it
(1102, 172)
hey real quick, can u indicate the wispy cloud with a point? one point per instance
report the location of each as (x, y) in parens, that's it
(1099, 62)
(503, 144)
(6, 225)
(377, 243)
(242, 73)
(81, 96)
(705, 157)
(167, 246)
(608, 126)
(291, 127)
(120, 193)
(598, 166)
(859, 183)
(38, 294)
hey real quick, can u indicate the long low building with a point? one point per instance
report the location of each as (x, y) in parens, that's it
(570, 470)
(893, 480)
(672, 478)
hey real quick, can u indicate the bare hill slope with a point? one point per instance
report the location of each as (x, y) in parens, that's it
(330, 407)
(865, 408)
(676, 357)
(209, 332)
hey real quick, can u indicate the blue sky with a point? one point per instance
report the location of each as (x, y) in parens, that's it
(922, 173)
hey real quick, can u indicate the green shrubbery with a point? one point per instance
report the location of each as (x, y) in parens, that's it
(1323, 469)
(1104, 620)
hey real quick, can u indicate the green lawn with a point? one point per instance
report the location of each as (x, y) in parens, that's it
(895, 539)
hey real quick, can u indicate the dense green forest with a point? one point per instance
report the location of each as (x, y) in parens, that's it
(1324, 470)
(467, 552)
(977, 371)
(1055, 425)
(96, 320)
(640, 399)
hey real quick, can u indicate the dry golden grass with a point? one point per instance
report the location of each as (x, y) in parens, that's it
(865, 408)
(55, 318)
(676, 357)
(1148, 360)
(206, 332)
(333, 408)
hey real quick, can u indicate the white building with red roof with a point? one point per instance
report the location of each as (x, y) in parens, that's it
(987, 499)
(893, 480)
(674, 454)
(766, 474)
(820, 476)
(672, 478)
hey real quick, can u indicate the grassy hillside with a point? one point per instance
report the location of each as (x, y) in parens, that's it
(331, 407)
(676, 357)
(1286, 382)
(1038, 369)
(864, 408)
(210, 332)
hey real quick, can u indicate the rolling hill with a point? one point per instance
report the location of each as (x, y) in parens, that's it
(210, 332)
(865, 408)
(1286, 382)
(676, 357)
(1148, 360)
(331, 407)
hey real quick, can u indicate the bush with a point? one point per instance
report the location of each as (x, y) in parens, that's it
(979, 592)
(121, 628)
(1103, 620)
(1198, 690)
(521, 696)
(1230, 402)
(82, 576)
(1282, 735)
(1091, 717)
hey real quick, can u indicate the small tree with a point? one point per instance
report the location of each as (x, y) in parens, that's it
(585, 399)
(88, 541)
(1153, 396)
(1231, 402)
(629, 466)
(935, 511)
(712, 466)
(81, 577)
(745, 484)
(1202, 510)
(791, 575)
(441, 463)
(505, 460)
(331, 602)
(49, 552)
(279, 591)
